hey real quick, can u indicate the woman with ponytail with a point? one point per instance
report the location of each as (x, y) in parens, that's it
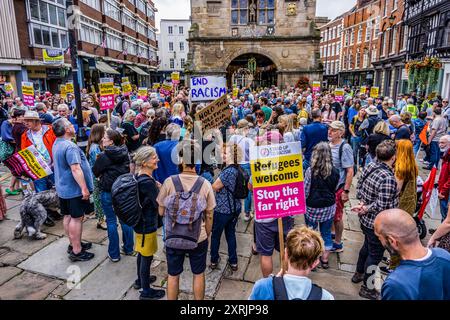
(228, 208)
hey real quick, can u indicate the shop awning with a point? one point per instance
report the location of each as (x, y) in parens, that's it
(105, 68)
(138, 70)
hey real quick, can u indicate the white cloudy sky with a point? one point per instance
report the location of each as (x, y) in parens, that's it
(180, 9)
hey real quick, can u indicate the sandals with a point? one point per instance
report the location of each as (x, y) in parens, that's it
(324, 264)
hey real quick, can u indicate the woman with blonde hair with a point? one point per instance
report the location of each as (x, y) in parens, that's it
(188, 127)
(286, 127)
(406, 173)
(146, 243)
(177, 114)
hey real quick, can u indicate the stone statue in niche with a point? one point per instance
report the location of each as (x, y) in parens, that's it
(252, 11)
(291, 9)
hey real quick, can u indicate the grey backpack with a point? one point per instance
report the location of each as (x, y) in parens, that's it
(183, 215)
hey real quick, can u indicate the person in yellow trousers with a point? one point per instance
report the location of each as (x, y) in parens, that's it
(146, 243)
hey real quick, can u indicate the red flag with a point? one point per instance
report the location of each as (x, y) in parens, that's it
(428, 187)
(423, 135)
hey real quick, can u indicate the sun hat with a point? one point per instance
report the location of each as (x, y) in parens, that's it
(372, 111)
(31, 115)
(337, 125)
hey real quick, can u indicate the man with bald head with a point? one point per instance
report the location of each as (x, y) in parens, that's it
(423, 273)
(403, 131)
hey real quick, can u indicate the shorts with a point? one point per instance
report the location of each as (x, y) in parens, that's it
(74, 207)
(197, 259)
(339, 206)
(267, 235)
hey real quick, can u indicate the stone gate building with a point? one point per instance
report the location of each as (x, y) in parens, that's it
(255, 42)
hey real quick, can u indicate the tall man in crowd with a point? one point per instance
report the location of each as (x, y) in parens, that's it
(376, 191)
(311, 135)
(74, 184)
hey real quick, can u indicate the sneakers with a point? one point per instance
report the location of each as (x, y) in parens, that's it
(214, 265)
(82, 256)
(386, 270)
(233, 267)
(113, 259)
(358, 277)
(84, 246)
(137, 284)
(333, 236)
(152, 294)
(371, 294)
(337, 248)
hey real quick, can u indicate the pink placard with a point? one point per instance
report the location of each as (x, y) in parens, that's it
(107, 102)
(28, 100)
(279, 201)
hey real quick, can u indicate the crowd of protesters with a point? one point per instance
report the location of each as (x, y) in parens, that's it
(374, 144)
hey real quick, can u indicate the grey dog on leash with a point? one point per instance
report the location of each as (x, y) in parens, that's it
(33, 213)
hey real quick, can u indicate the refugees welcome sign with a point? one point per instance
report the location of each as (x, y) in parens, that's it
(277, 179)
(207, 88)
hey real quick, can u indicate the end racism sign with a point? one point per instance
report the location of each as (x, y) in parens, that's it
(207, 88)
(214, 115)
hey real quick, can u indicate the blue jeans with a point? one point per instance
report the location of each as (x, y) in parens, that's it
(435, 154)
(248, 200)
(356, 143)
(444, 208)
(325, 231)
(113, 234)
(416, 146)
(45, 183)
(305, 165)
(228, 223)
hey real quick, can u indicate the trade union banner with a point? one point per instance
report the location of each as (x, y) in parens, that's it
(52, 56)
(215, 114)
(28, 162)
(106, 87)
(28, 93)
(207, 88)
(277, 179)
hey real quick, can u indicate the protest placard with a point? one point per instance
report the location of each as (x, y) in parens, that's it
(339, 94)
(374, 92)
(156, 86)
(28, 93)
(69, 87)
(142, 93)
(63, 91)
(116, 90)
(363, 90)
(235, 92)
(106, 87)
(175, 76)
(277, 179)
(125, 79)
(126, 88)
(207, 88)
(9, 88)
(316, 86)
(51, 56)
(166, 88)
(29, 163)
(215, 114)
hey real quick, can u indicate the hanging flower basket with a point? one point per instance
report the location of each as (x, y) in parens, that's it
(423, 72)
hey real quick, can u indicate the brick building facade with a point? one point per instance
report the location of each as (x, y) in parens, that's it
(330, 51)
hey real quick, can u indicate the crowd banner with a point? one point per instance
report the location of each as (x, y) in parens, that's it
(53, 56)
(63, 91)
(207, 88)
(142, 93)
(28, 93)
(70, 88)
(316, 86)
(166, 88)
(339, 94)
(106, 87)
(374, 92)
(28, 162)
(277, 180)
(215, 114)
(126, 88)
(363, 90)
(9, 88)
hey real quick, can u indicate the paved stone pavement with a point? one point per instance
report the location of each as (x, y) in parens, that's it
(32, 269)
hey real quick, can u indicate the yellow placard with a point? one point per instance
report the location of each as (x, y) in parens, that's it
(9, 87)
(167, 87)
(52, 56)
(28, 90)
(374, 92)
(175, 76)
(126, 88)
(117, 90)
(235, 92)
(106, 88)
(339, 92)
(270, 172)
(142, 92)
(316, 84)
(63, 91)
(363, 90)
(69, 87)
(93, 89)
(125, 79)
(156, 85)
(33, 163)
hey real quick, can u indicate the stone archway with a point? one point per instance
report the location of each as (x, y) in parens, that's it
(251, 69)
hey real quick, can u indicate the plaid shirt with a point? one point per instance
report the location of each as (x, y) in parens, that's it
(377, 189)
(316, 214)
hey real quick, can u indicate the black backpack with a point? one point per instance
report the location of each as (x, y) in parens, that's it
(280, 293)
(125, 199)
(118, 109)
(241, 186)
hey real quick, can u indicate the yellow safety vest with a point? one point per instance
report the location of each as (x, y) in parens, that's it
(412, 109)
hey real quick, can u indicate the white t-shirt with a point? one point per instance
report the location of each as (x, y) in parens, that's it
(245, 144)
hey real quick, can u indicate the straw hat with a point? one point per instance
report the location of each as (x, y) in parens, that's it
(31, 115)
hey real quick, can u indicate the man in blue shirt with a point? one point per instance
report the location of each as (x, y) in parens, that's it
(166, 151)
(311, 135)
(74, 184)
(423, 273)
